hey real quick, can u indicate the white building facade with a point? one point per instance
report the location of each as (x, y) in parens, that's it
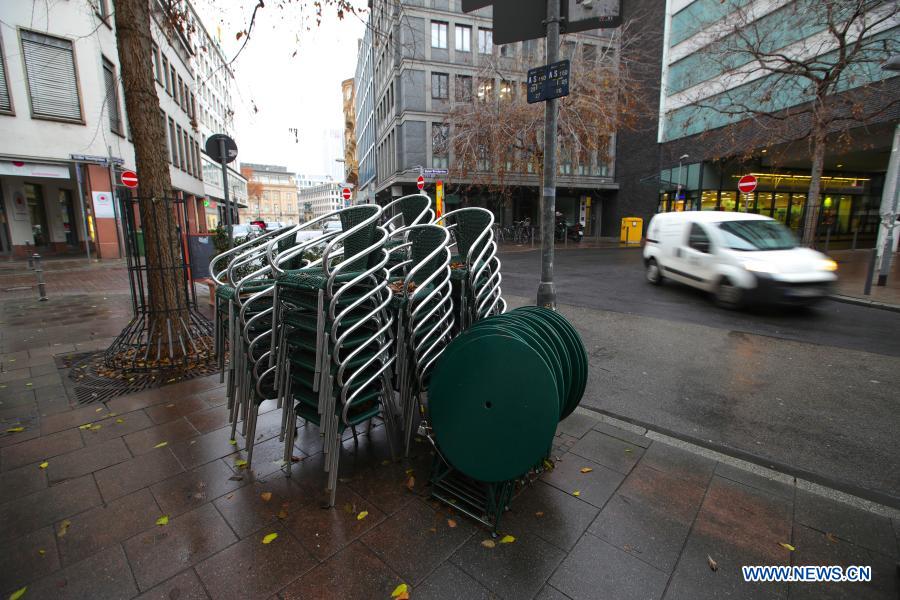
(319, 200)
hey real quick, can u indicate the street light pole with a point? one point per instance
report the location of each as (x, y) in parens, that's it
(889, 217)
(681, 160)
(546, 294)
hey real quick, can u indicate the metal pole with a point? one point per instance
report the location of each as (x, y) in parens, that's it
(888, 248)
(870, 272)
(39, 273)
(87, 237)
(546, 294)
(228, 215)
(115, 202)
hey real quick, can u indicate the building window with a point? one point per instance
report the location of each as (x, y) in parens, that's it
(112, 97)
(463, 88)
(5, 100)
(173, 142)
(438, 34)
(103, 9)
(485, 41)
(174, 78)
(507, 50)
(52, 78)
(166, 74)
(440, 86)
(589, 54)
(506, 89)
(440, 145)
(485, 89)
(179, 140)
(463, 38)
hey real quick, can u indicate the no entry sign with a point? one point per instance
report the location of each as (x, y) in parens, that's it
(747, 184)
(129, 179)
(420, 183)
(345, 193)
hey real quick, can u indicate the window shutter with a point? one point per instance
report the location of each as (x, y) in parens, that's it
(5, 104)
(50, 68)
(112, 97)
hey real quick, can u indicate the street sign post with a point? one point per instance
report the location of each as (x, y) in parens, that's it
(129, 179)
(747, 184)
(420, 183)
(223, 150)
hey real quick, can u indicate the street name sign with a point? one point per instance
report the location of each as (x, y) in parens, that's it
(129, 179)
(747, 184)
(436, 171)
(548, 82)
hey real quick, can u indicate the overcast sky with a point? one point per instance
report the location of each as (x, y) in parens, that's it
(301, 91)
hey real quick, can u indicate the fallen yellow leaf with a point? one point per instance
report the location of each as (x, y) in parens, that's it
(548, 465)
(451, 523)
(786, 546)
(240, 463)
(282, 514)
(63, 528)
(42, 552)
(362, 515)
(488, 543)
(232, 442)
(85, 426)
(18, 593)
(29, 384)
(163, 520)
(410, 483)
(44, 465)
(270, 537)
(400, 590)
(99, 409)
(95, 428)
(15, 430)
(507, 539)
(539, 513)
(266, 496)
(628, 450)
(161, 444)
(576, 493)
(831, 538)
(410, 471)
(586, 469)
(120, 420)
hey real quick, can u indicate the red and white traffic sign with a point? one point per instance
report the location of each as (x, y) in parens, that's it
(345, 193)
(129, 179)
(420, 183)
(747, 184)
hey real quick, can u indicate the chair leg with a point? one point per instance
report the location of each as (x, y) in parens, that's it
(250, 441)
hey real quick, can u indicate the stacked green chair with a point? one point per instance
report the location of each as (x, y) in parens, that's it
(335, 348)
(423, 312)
(476, 273)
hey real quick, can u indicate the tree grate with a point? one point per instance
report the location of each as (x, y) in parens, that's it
(89, 380)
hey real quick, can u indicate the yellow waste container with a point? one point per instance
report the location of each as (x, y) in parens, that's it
(632, 229)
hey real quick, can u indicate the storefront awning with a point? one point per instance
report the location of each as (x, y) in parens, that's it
(32, 169)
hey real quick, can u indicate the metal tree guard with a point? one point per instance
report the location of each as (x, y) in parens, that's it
(186, 336)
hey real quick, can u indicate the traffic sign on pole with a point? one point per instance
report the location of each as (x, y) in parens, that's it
(345, 193)
(747, 184)
(420, 183)
(129, 179)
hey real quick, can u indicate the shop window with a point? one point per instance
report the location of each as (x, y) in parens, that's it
(781, 207)
(844, 209)
(728, 200)
(52, 77)
(709, 200)
(798, 201)
(764, 203)
(746, 203)
(37, 213)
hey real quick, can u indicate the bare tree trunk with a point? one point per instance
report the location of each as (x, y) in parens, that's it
(810, 224)
(165, 276)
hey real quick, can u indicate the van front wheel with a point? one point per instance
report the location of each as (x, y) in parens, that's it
(729, 295)
(654, 274)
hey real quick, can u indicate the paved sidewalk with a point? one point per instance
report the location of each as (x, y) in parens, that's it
(853, 268)
(644, 521)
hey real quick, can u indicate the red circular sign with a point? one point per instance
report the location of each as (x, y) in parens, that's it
(346, 193)
(420, 183)
(747, 184)
(129, 179)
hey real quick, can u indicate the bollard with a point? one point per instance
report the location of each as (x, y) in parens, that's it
(39, 273)
(31, 262)
(870, 272)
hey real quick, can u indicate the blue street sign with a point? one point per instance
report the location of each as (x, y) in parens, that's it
(548, 82)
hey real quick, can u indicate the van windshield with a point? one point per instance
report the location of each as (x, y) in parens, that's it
(757, 235)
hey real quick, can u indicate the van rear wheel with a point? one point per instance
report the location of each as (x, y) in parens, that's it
(654, 273)
(729, 295)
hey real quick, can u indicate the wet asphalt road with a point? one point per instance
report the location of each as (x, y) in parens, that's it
(812, 391)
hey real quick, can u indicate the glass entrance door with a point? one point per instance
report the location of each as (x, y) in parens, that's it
(34, 198)
(67, 215)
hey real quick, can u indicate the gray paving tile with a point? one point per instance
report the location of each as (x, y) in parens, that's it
(35, 555)
(651, 535)
(21, 482)
(576, 425)
(595, 487)
(685, 465)
(184, 586)
(193, 488)
(852, 524)
(779, 488)
(354, 573)
(594, 569)
(38, 449)
(104, 575)
(664, 492)
(623, 434)
(42, 508)
(447, 582)
(556, 516)
(137, 473)
(87, 460)
(516, 570)
(616, 454)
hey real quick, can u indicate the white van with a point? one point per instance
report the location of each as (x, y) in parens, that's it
(739, 257)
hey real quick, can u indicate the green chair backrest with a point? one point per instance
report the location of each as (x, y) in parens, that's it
(469, 225)
(357, 242)
(426, 240)
(412, 208)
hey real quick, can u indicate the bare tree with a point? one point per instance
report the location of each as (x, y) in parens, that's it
(783, 75)
(496, 137)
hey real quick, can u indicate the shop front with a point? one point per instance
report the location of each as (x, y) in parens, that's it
(849, 202)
